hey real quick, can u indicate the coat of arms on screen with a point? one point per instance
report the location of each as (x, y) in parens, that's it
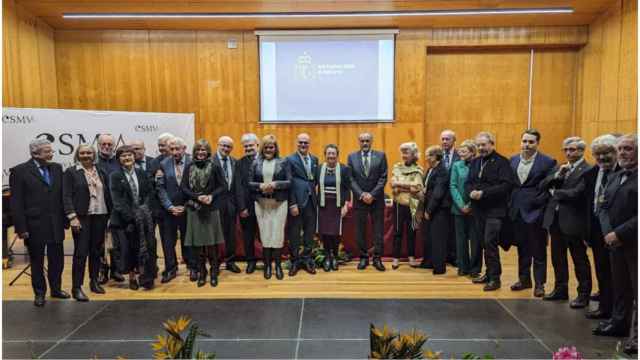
(305, 69)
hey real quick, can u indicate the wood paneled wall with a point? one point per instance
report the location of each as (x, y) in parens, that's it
(28, 62)
(607, 98)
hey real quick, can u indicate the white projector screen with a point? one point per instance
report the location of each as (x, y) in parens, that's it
(327, 77)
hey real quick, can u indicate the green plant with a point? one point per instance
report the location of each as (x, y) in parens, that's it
(386, 343)
(174, 346)
(472, 356)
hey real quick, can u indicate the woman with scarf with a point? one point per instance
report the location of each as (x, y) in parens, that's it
(406, 183)
(334, 192)
(202, 181)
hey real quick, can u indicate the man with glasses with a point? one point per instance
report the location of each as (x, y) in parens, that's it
(565, 219)
(246, 208)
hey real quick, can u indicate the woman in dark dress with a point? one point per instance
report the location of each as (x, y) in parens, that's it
(334, 194)
(87, 204)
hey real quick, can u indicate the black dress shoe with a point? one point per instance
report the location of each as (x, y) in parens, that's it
(334, 264)
(310, 267)
(293, 270)
(518, 286)
(168, 276)
(480, 279)
(377, 263)
(439, 271)
(202, 278)
(364, 262)
(538, 291)
(268, 271)
(133, 284)
(96, 287)
(231, 266)
(595, 296)
(492, 285)
(39, 301)
(60, 294)
(630, 347)
(557, 294)
(597, 315)
(609, 329)
(251, 267)
(581, 301)
(116, 276)
(193, 275)
(214, 279)
(326, 264)
(79, 295)
(279, 272)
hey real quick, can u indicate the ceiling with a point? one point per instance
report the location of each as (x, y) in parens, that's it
(51, 11)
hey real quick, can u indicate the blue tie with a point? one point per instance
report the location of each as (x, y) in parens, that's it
(45, 174)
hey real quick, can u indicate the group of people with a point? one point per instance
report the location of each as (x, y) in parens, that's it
(462, 202)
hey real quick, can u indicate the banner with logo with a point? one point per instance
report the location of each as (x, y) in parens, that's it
(66, 129)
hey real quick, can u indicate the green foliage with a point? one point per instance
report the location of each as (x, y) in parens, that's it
(472, 356)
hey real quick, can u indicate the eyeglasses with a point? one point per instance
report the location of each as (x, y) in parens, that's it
(567, 149)
(303, 142)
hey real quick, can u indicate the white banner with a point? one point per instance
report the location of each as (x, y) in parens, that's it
(66, 129)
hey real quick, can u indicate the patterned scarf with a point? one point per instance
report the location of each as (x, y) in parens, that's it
(411, 174)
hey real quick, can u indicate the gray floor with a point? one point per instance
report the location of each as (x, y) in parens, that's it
(293, 328)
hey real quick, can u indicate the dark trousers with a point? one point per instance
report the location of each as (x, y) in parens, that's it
(88, 242)
(331, 244)
(624, 271)
(468, 248)
(601, 259)
(249, 227)
(55, 262)
(436, 231)
(228, 222)
(532, 248)
(489, 233)
(127, 249)
(560, 242)
(172, 225)
(300, 232)
(402, 220)
(377, 218)
(452, 246)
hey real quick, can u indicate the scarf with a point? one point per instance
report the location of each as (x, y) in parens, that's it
(199, 176)
(323, 171)
(411, 174)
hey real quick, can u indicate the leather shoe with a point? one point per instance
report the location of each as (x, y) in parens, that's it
(279, 273)
(202, 278)
(310, 267)
(595, 296)
(377, 263)
(39, 301)
(630, 347)
(116, 276)
(60, 294)
(480, 279)
(96, 287)
(364, 262)
(538, 291)
(231, 266)
(193, 275)
(267, 271)
(609, 329)
(133, 284)
(557, 294)
(518, 286)
(597, 314)
(492, 285)
(293, 270)
(79, 295)
(334, 264)
(326, 264)
(581, 301)
(168, 276)
(251, 267)
(439, 271)
(214, 279)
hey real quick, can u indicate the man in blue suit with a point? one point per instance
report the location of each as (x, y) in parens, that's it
(172, 200)
(303, 204)
(526, 210)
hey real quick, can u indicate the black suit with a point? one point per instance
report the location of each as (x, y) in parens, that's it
(37, 209)
(89, 240)
(302, 194)
(451, 235)
(565, 219)
(619, 214)
(227, 204)
(437, 200)
(373, 183)
(493, 176)
(248, 224)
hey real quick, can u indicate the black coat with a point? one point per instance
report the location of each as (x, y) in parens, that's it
(36, 206)
(215, 187)
(568, 196)
(374, 183)
(496, 184)
(122, 213)
(243, 193)
(227, 194)
(281, 177)
(590, 178)
(527, 200)
(621, 209)
(437, 196)
(76, 191)
(154, 203)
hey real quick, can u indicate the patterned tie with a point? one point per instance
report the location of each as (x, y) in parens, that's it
(307, 167)
(45, 174)
(178, 172)
(446, 160)
(366, 164)
(225, 162)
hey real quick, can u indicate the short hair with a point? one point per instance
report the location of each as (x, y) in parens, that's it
(270, 140)
(411, 147)
(450, 132)
(469, 145)
(435, 150)
(632, 137)
(365, 133)
(225, 137)
(534, 132)
(179, 141)
(36, 144)
(574, 140)
(249, 137)
(76, 156)
(606, 140)
(102, 135)
(165, 137)
(487, 135)
(201, 144)
(124, 149)
(332, 146)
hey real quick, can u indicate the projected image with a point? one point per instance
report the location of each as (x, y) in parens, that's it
(327, 79)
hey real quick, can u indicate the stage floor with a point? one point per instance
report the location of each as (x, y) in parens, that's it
(298, 328)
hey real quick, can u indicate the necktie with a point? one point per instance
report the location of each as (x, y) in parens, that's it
(178, 172)
(307, 166)
(45, 174)
(447, 159)
(225, 161)
(366, 164)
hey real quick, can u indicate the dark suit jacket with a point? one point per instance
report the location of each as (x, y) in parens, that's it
(302, 187)
(214, 187)
(281, 177)
(374, 183)
(227, 195)
(568, 196)
(454, 157)
(527, 200)
(496, 184)
(621, 208)
(37, 207)
(154, 203)
(590, 179)
(167, 187)
(243, 193)
(107, 165)
(76, 191)
(345, 185)
(122, 213)
(437, 196)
